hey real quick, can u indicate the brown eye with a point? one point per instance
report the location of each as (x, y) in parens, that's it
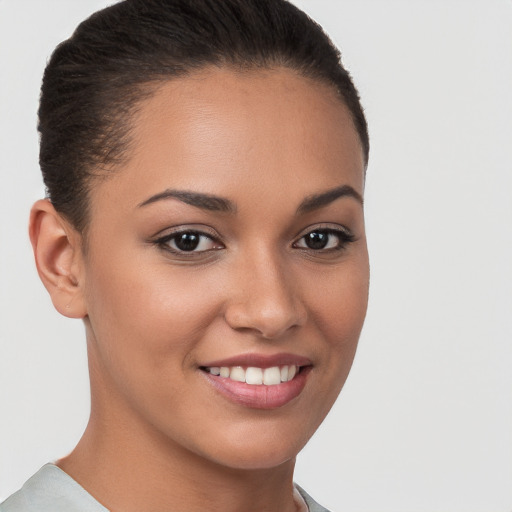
(189, 242)
(324, 239)
(317, 239)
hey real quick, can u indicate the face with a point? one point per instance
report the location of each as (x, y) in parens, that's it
(226, 275)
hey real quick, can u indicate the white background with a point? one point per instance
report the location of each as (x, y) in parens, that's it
(425, 420)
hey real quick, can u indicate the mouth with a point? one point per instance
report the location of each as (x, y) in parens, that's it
(255, 376)
(259, 383)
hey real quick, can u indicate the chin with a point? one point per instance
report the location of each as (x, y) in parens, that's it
(254, 460)
(267, 448)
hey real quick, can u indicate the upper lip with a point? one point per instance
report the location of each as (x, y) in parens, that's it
(260, 360)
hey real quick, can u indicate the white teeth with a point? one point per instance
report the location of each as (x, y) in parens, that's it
(237, 373)
(256, 376)
(272, 376)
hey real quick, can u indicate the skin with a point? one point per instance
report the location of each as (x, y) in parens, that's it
(160, 437)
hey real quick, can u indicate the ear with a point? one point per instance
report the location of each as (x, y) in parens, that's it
(58, 254)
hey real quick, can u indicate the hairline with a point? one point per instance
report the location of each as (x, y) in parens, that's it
(145, 89)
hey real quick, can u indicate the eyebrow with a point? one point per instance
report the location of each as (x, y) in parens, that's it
(198, 199)
(316, 201)
(210, 202)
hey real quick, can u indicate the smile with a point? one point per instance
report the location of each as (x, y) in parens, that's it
(257, 381)
(255, 376)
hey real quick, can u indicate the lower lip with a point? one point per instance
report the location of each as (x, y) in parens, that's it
(259, 397)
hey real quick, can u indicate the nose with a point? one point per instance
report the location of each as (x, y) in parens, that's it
(265, 299)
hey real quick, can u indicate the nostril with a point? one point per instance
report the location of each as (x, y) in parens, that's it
(265, 299)
(268, 325)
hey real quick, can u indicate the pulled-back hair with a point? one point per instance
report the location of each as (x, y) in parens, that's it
(96, 79)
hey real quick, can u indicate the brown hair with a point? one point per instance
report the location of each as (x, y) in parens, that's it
(96, 79)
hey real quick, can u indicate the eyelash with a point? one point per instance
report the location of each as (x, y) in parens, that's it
(344, 237)
(165, 241)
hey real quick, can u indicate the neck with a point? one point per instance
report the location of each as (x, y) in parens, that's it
(129, 467)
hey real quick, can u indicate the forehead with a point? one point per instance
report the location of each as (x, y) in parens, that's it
(222, 131)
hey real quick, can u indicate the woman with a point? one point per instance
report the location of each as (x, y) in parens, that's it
(204, 162)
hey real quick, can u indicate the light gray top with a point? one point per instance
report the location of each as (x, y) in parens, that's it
(53, 490)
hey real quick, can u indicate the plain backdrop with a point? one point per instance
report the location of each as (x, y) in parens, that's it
(425, 420)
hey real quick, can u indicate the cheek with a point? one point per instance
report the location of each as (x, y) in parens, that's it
(338, 313)
(140, 313)
(145, 325)
(340, 303)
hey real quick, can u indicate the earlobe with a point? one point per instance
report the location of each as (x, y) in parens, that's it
(58, 256)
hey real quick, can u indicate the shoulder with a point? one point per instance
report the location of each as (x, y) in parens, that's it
(313, 506)
(51, 490)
